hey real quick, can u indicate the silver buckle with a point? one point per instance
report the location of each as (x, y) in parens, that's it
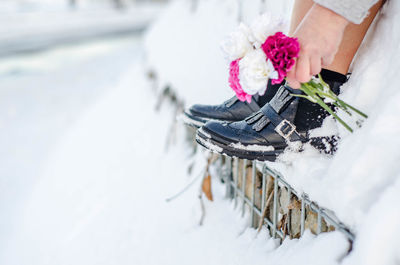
(285, 134)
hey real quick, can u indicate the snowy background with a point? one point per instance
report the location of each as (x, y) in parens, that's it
(86, 161)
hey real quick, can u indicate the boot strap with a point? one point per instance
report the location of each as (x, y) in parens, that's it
(270, 114)
(283, 127)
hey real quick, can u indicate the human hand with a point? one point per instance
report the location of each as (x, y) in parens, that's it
(319, 34)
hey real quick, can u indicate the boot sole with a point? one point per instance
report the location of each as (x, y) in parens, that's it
(193, 121)
(204, 140)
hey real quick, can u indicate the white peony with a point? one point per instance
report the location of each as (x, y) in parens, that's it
(237, 44)
(254, 72)
(264, 26)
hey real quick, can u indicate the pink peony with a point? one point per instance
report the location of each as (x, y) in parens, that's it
(282, 51)
(234, 82)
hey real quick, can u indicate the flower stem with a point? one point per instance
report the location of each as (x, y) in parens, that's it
(353, 108)
(308, 90)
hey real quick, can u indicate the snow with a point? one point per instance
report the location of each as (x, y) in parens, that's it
(210, 146)
(86, 173)
(362, 174)
(252, 147)
(40, 99)
(324, 249)
(26, 25)
(383, 214)
(366, 163)
(85, 168)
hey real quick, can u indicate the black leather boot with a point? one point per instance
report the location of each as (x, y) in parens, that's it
(265, 134)
(231, 110)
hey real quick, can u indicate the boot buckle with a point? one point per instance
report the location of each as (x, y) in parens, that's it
(285, 129)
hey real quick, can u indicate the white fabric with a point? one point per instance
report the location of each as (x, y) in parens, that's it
(353, 10)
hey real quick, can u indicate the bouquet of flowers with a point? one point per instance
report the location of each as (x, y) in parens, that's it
(262, 52)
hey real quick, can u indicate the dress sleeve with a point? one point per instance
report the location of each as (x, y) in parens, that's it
(353, 10)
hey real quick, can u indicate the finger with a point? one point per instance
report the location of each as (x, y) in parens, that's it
(291, 75)
(294, 84)
(326, 61)
(291, 78)
(303, 69)
(315, 65)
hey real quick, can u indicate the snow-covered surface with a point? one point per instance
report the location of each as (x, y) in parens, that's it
(85, 172)
(29, 26)
(42, 95)
(366, 163)
(361, 182)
